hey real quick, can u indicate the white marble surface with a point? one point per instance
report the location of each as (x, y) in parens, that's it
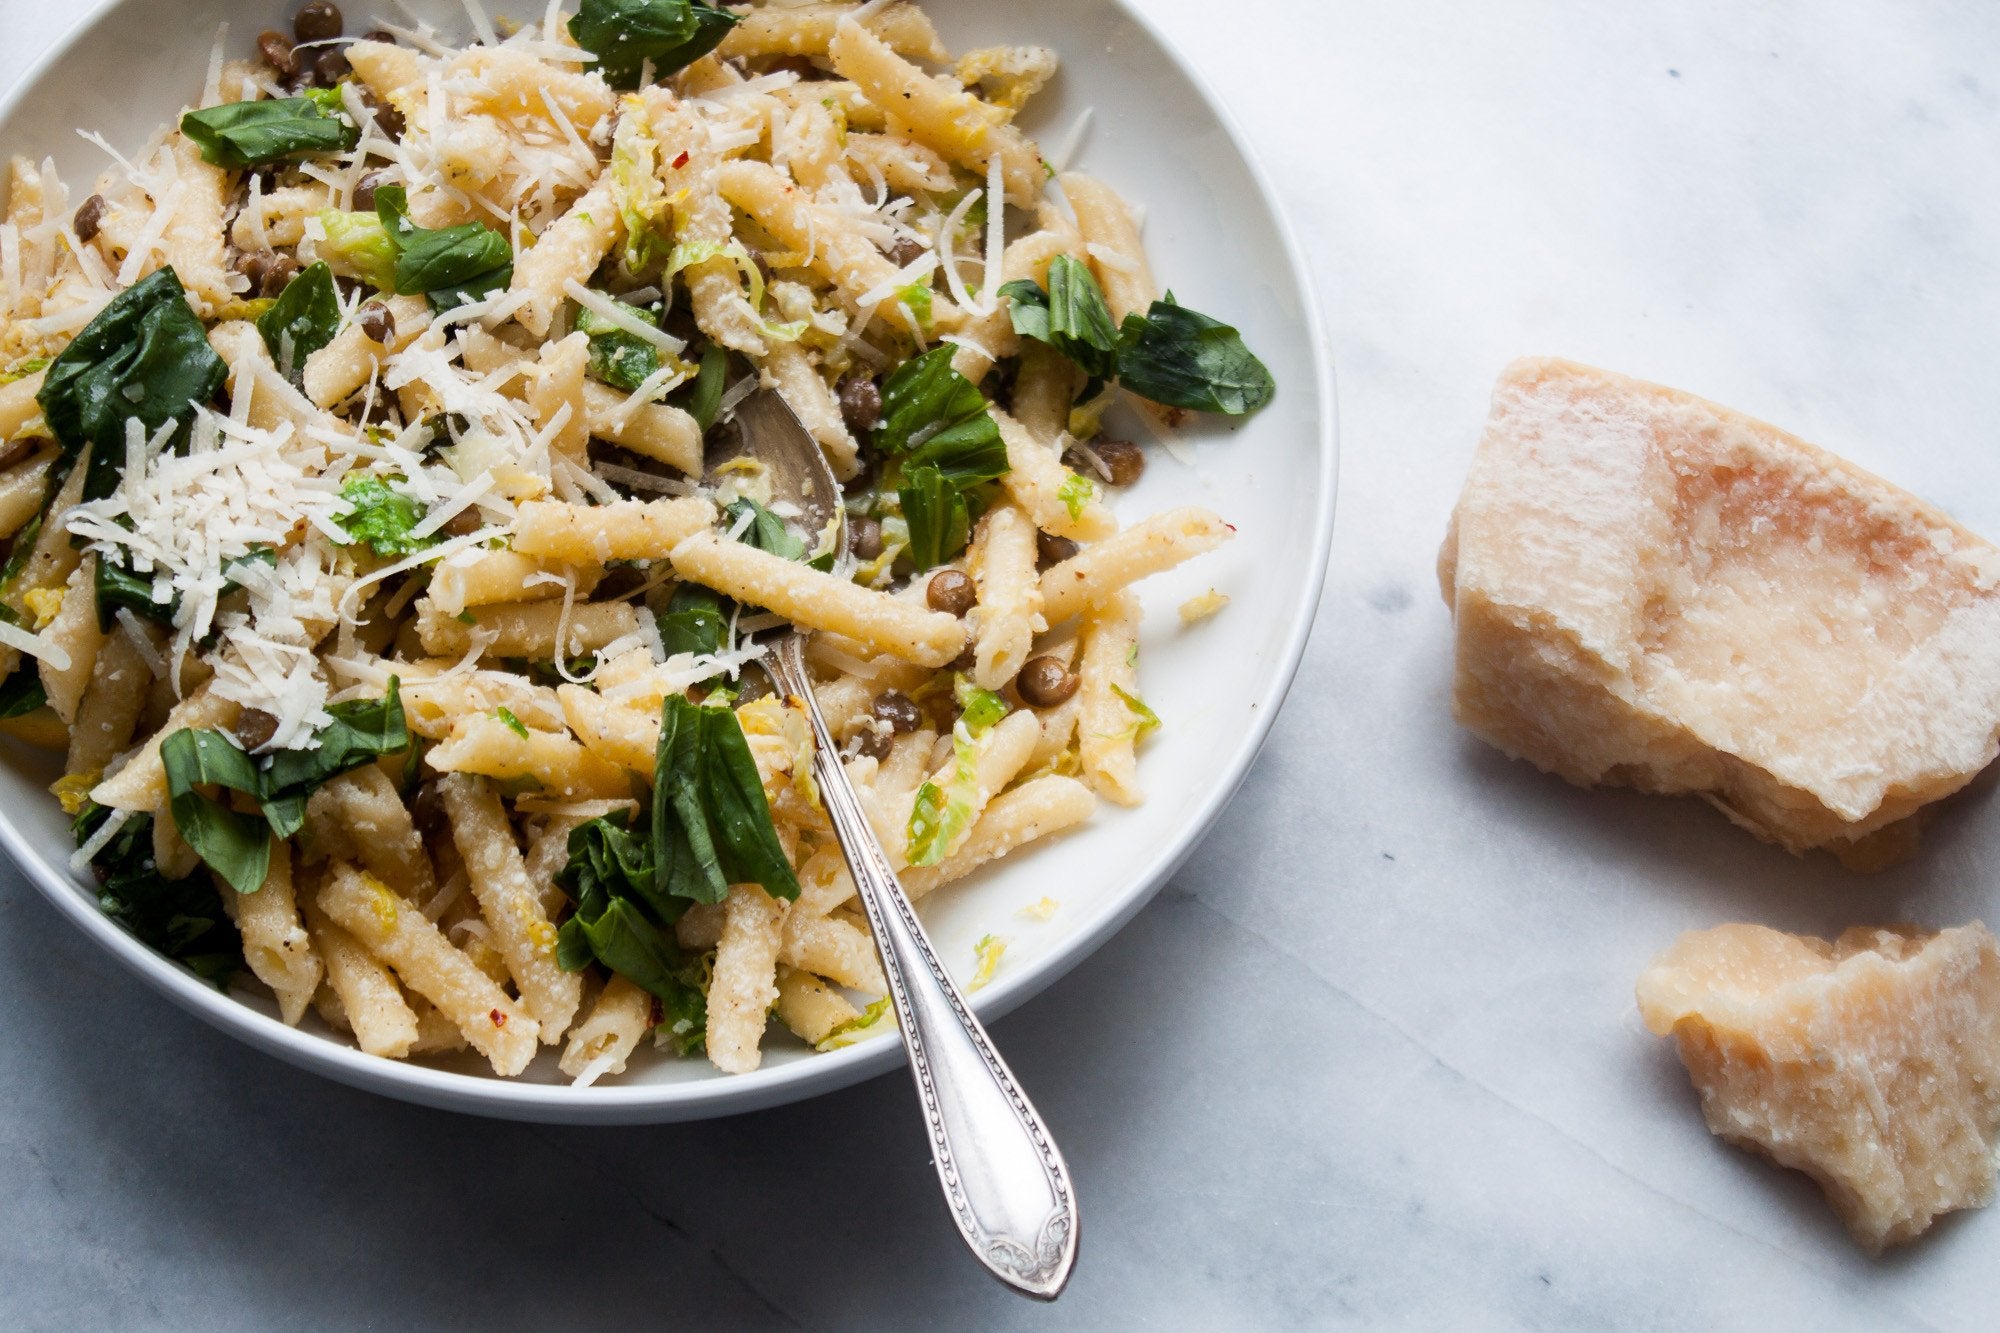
(1382, 1069)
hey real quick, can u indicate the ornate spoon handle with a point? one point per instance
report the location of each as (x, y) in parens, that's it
(1006, 1182)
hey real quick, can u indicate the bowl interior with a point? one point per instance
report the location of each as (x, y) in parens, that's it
(1214, 238)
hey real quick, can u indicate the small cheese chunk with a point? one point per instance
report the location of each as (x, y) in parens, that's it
(1654, 591)
(1872, 1063)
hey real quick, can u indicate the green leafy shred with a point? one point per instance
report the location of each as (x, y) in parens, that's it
(694, 622)
(181, 918)
(381, 517)
(21, 692)
(711, 822)
(703, 398)
(766, 531)
(1148, 721)
(619, 357)
(986, 955)
(863, 1025)
(940, 815)
(144, 357)
(236, 844)
(710, 827)
(1076, 493)
(1071, 316)
(512, 723)
(358, 246)
(303, 319)
(1182, 358)
(937, 427)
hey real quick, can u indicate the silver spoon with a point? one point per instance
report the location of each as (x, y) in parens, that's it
(1006, 1182)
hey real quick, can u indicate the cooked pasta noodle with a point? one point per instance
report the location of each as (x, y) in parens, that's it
(404, 654)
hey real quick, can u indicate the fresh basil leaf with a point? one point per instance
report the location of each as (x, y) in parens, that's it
(609, 859)
(939, 520)
(620, 920)
(1071, 317)
(21, 693)
(455, 265)
(234, 845)
(392, 210)
(145, 357)
(767, 532)
(937, 417)
(694, 622)
(304, 319)
(619, 358)
(626, 34)
(711, 823)
(24, 545)
(704, 396)
(684, 1017)
(181, 918)
(115, 587)
(381, 517)
(1182, 358)
(284, 129)
(361, 731)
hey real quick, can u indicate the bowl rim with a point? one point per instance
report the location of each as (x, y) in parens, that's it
(772, 1085)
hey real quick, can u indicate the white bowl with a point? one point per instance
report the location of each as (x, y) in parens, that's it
(1216, 238)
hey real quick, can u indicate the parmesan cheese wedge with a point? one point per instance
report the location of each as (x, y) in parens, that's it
(1653, 591)
(1871, 1063)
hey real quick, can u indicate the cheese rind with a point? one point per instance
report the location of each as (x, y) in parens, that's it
(1654, 591)
(1871, 1063)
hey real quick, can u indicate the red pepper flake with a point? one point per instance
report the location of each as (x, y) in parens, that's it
(499, 1019)
(681, 161)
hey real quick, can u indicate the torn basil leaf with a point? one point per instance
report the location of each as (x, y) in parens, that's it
(145, 357)
(235, 845)
(711, 824)
(1070, 317)
(181, 918)
(1172, 355)
(450, 266)
(250, 134)
(361, 731)
(628, 35)
(704, 396)
(933, 416)
(766, 532)
(304, 319)
(116, 587)
(939, 520)
(381, 517)
(21, 693)
(456, 265)
(694, 622)
(619, 358)
(620, 921)
(1182, 358)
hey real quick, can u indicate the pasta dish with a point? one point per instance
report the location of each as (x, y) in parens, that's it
(362, 563)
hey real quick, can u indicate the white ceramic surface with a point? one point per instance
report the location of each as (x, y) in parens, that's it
(1215, 238)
